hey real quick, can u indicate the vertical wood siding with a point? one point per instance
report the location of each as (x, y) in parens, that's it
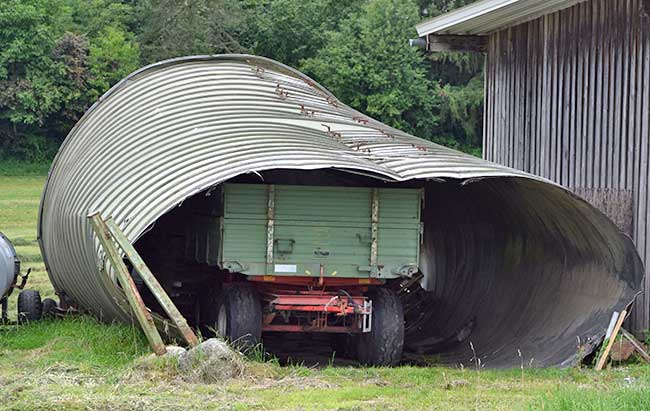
(568, 98)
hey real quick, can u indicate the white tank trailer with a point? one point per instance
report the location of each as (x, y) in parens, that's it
(265, 206)
(30, 307)
(9, 266)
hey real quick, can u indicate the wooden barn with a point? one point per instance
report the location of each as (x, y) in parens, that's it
(567, 97)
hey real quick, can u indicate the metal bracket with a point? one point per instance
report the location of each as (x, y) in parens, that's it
(284, 245)
(4, 318)
(23, 279)
(234, 266)
(366, 319)
(374, 271)
(421, 233)
(374, 227)
(270, 224)
(406, 270)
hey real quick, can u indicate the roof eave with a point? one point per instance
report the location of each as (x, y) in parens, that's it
(488, 16)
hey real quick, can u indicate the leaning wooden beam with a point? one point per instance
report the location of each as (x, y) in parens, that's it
(636, 344)
(610, 341)
(128, 286)
(153, 284)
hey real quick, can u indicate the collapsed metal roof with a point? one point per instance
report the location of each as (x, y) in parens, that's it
(533, 266)
(486, 16)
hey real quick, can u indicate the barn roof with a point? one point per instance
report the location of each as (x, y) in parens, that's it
(487, 16)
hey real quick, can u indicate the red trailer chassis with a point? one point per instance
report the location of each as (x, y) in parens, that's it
(305, 304)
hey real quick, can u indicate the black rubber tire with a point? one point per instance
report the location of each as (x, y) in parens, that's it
(30, 307)
(243, 313)
(49, 308)
(383, 345)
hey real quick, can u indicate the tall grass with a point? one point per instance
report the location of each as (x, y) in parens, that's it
(79, 341)
(627, 399)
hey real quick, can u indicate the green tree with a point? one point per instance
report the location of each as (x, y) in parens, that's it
(432, 8)
(171, 28)
(112, 56)
(52, 69)
(92, 17)
(28, 74)
(292, 30)
(369, 65)
(460, 76)
(58, 56)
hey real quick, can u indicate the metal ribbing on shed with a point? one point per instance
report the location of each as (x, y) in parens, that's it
(589, 104)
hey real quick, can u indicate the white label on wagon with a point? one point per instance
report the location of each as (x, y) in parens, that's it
(286, 268)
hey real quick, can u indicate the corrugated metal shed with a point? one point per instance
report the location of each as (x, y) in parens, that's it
(530, 264)
(486, 16)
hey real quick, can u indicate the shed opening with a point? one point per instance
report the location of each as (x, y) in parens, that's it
(498, 269)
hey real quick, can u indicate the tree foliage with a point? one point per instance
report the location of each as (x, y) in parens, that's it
(290, 31)
(460, 76)
(368, 64)
(172, 28)
(51, 69)
(58, 56)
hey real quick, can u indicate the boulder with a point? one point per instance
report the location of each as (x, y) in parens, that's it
(211, 361)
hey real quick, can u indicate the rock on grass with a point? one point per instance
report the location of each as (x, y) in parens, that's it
(211, 361)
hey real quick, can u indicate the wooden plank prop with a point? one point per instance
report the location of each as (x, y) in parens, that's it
(128, 286)
(610, 341)
(636, 344)
(154, 286)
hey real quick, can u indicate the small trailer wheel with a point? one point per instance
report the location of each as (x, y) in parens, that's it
(383, 345)
(239, 315)
(30, 307)
(49, 308)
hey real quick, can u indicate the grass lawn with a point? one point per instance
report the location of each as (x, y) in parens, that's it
(78, 363)
(19, 199)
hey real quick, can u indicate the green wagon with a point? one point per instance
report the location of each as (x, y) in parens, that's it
(311, 259)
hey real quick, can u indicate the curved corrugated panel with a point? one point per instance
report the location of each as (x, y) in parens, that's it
(176, 128)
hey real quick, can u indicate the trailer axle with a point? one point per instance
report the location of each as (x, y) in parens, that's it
(317, 311)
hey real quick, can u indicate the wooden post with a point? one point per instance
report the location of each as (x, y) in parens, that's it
(637, 346)
(610, 342)
(128, 286)
(153, 284)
